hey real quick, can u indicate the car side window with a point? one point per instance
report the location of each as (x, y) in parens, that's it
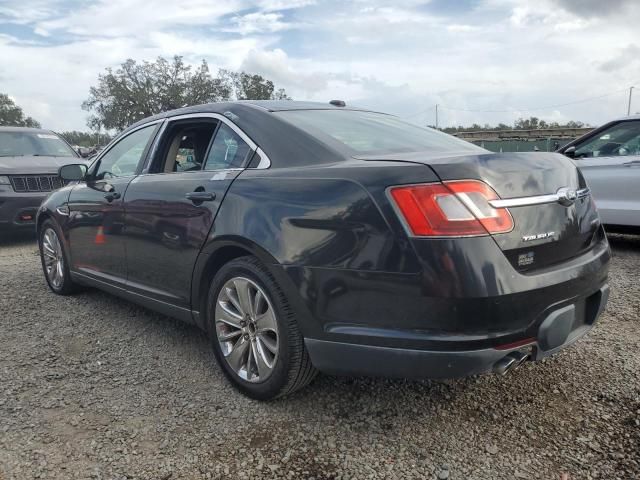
(185, 146)
(228, 150)
(621, 139)
(123, 158)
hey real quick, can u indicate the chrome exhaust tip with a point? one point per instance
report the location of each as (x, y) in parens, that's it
(510, 361)
(521, 358)
(506, 363)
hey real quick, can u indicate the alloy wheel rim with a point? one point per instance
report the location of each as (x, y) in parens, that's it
(246, 329)
(53, 258)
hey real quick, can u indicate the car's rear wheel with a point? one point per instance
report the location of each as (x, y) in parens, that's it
(254, 332)
(54, 259)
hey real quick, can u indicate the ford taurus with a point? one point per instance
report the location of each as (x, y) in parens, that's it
(309, 237)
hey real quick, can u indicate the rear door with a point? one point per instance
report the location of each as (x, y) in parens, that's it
(171, 208)
(96, 213)
(610, 161)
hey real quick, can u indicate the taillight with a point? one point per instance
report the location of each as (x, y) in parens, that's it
(451, 209)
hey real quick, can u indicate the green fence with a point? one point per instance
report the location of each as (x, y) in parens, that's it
(533, 145)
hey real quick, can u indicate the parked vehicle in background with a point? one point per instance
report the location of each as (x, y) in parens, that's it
(609, 158)
(29, 163)
(304, 237)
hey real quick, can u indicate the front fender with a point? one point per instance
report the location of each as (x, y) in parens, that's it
(54, 207)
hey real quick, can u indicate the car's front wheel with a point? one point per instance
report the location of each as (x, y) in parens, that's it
(254, 332)
(54, 259)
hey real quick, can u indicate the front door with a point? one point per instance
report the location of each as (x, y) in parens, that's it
(610, 162)
(96, 213)
(170, 210)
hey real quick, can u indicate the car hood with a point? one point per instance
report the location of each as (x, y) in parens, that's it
(37, 164)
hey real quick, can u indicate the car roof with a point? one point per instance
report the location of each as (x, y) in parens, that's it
(277, 137)
(597, 130)
(283, 105)
(24, 129)
(625, 118)
(261, 105)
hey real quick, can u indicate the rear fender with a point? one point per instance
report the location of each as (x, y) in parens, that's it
(335, 217)
(218, 251)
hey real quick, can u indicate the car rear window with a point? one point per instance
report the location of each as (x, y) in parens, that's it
(373, 133)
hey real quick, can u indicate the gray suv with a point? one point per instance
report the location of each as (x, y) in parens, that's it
(609, 158)
(29, 163)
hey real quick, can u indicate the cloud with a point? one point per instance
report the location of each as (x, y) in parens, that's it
(482, 61)
(462, 28)
(28, 11)
(599, 8)
(135, 18)
(259, 22)
(628, 57)
(270, 5)
(277, 66)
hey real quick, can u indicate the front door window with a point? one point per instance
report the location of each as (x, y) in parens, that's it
(123, 158)
(622, 139)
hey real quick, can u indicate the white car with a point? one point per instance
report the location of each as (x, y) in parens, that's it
(609, 158)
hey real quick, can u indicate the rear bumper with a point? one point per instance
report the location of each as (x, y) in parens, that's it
(456, 318)
(559, 329)
(18, 210)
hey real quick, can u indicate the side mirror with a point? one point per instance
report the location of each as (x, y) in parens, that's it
(73, 172)
(84, 152)
(570, 152)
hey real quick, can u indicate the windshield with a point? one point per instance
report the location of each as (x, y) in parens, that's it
(374, 133)
(18, 144)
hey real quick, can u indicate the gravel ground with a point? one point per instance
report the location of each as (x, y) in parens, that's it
(95, 387)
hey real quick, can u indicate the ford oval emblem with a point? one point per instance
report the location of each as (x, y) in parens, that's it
(567, 196)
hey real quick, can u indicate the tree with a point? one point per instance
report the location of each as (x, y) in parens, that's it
(138, 90)
(248, 86)
(85, 139)
(11, 115)
(532, 123)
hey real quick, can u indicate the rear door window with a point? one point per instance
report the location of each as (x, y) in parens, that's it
(184, 146)
(228, 150)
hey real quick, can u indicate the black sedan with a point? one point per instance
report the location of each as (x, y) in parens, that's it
(306, 237)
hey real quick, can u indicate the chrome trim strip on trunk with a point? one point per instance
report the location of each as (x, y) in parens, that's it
(560, 197)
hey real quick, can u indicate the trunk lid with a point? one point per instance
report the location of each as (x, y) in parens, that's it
(543, 234)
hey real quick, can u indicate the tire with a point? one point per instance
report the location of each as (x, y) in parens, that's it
(263, 338)
(59, 282)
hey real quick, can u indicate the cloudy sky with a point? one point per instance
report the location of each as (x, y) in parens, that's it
(483, 61)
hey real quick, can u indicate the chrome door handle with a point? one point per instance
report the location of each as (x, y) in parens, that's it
(634, 163)
(200, 196)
